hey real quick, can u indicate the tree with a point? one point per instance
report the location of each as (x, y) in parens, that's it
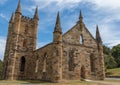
(108, 58)
(116, 54)
(109, 62)
(106, 50)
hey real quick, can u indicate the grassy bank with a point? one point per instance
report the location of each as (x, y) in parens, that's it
(113, 72)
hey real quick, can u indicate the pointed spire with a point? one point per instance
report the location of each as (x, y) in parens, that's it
(80, 17)
(98, 38)
(18, 10)
(36, 13)
(12, 18)
(58, 19)
(58, 24)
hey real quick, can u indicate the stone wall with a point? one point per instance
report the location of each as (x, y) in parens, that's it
(82, 52)
(21, 42)
(47, 63)
(73, 55)
(73, 36)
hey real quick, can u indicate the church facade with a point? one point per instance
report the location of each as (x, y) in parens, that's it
(73, 55)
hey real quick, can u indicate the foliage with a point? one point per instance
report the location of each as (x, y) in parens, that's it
(109, 62)
(106, 50)
(109, 59)
(116, 54)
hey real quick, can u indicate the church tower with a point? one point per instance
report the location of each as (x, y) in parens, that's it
(21, 42)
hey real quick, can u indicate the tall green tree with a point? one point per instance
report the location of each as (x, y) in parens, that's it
(116, 54)
(108, 58)
(106, 50)
(109, 62)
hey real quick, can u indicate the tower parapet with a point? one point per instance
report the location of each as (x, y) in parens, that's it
(25, 18)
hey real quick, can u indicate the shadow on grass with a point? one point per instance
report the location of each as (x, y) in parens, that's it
(33, 82)
(108, 73)
(23, 82)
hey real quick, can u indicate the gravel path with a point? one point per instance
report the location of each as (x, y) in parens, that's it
(108, 81)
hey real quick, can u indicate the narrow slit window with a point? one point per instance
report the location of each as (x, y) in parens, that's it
(45, 63)
(36, 69)
(24, 43)
(81, 39)
(71, 60)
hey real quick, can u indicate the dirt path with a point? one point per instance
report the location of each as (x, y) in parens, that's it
(107, 82)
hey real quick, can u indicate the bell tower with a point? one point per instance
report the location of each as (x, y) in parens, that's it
(21, 42)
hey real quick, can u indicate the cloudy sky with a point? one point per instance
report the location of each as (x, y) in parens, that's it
(104, 13)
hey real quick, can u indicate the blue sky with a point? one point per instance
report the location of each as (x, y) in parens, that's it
(104, 13)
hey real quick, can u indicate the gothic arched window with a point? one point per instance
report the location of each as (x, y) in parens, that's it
(81, 39)
(22, 64)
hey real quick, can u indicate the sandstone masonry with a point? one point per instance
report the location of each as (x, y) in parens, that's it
(71, 56)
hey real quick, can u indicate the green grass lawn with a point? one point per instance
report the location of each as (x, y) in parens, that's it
(113, 72)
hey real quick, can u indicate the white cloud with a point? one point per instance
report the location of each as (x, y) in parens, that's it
(57, 4)
(105, 13)
(2, 47)
(112, 43)
(4, 17)
(108, 4)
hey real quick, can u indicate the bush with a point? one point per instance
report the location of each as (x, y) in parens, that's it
(116, 54)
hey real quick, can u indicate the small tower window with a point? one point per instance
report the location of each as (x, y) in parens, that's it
(22, 64)
(24, 43)
(81, 39)
(26, 29)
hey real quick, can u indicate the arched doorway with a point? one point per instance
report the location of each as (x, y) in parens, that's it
(82, 73)
(22, 64)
